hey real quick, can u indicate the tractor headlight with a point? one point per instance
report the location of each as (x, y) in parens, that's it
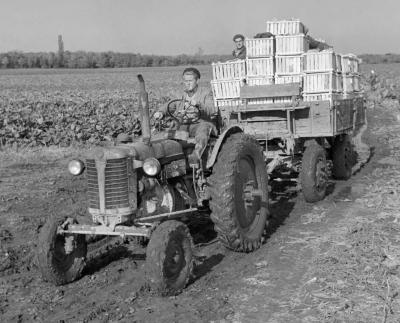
(76, 167)
(151, 166)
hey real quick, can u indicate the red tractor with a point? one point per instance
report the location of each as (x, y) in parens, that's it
(147, 188)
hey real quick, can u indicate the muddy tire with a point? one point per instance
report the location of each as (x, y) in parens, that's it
(342, 157)
(61, 258)
(239, 194)
(313, 176)
(169, 258)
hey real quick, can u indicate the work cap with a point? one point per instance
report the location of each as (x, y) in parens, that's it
(238, 36)
(192, 70)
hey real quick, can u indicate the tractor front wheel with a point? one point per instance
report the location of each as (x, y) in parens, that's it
(61, 257)
(169, 258)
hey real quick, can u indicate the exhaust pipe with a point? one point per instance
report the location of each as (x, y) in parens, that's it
(144, 110)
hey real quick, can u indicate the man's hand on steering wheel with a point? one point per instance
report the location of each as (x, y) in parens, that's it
(185, 112)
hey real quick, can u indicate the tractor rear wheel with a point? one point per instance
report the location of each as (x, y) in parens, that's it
(342, 157)
(169, 258)
(313, 176)
(239, 193)
(61, 257)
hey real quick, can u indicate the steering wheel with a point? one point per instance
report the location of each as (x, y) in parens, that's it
(184, 112)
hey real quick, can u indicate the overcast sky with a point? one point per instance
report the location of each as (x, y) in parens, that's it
(182, 26)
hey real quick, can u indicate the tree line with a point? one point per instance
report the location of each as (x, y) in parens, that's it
(380, 58)
(83, 59)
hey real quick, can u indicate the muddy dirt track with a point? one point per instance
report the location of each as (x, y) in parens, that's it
(333, 261)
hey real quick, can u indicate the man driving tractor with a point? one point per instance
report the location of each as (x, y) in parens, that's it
(196, 112)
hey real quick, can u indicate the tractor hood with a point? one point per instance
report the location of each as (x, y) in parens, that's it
(164, 150)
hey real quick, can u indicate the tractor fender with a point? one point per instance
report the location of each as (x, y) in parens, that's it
(221, 139)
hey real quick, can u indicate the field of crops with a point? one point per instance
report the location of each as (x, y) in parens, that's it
(61, 107)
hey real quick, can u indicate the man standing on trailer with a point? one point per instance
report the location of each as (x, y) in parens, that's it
(240, 51)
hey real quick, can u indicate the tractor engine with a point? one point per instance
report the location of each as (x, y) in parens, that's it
(133, 180)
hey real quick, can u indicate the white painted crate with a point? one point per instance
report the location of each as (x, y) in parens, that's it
(286, 27)
(350, 64)
(229, 70)
(323, 61)
(260, 80)
(283, 99)
(291, 45)
(321, 82)
(322, 97)
(259, 47)
(260, 101)
(351, 83)
(260, 66)
(226, 89)
(285, 79)
(289, 64)
(222, 103)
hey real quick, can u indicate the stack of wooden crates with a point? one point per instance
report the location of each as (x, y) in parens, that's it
(284, 58)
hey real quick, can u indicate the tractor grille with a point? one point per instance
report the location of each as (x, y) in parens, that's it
(115, 185)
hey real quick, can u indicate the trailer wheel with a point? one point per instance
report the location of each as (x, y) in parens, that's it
(61, 257)
(342, 157)
(313, 177)
(169, 258)
(239, 193)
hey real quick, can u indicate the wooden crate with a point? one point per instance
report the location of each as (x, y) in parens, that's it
(321, 82)
(283, 99)
(223, 103)
(259, 80)
(260, 47)
(226, 89)
(324, 61)
(285, 79)
(260, 101)
(286, 27)
(289, 64)
(260, 66)
(229, 70)
(351, 83)
(328, 96)
(291, 45)
(350, 64)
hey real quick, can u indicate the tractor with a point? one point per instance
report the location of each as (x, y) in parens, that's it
(147, 187)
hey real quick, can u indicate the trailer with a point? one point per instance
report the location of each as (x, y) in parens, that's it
(300, 135)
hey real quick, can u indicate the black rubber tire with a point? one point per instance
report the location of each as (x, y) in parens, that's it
(55, 264)
(313, 176)
(342, 157)
(165, 275)
(239, 227)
